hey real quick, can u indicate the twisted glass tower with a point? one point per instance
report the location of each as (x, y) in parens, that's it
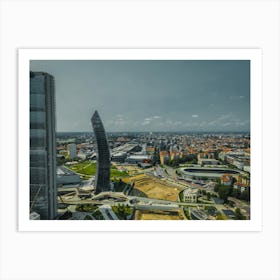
(102, 176)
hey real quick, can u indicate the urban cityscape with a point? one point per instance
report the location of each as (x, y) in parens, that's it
(160, 171)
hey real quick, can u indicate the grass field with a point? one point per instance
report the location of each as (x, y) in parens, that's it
(117, 173)
(87, 169)
(153, 187)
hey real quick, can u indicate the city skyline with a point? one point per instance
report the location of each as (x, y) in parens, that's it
(194, 96)
(139, 177)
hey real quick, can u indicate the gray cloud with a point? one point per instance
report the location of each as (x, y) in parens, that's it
(151, 95)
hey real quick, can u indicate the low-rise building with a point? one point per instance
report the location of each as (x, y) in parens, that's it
(190, 195)
(198, 215)
(119, 157)
(174, 155)
(150, 149)
(226, 180)
(239, 164)
(82, 154)
(134, 159)
(66, 176)
(244, 179)
(241, 187)
(246, 168)
(208, 162)
(144, 165)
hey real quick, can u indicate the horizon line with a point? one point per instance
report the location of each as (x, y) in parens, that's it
(149, 131)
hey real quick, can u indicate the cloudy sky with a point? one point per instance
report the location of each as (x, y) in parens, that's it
(151, 95)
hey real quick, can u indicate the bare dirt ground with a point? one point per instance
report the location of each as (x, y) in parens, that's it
(153, 187)
(143, 215)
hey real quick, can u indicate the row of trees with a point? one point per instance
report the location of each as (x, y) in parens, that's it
(86, 207)
(185, 159)
(207, 194)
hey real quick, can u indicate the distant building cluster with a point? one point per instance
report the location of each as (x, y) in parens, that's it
(207, 158)
(166, 156)
(122, 152)
(239, 158)
(243, 183)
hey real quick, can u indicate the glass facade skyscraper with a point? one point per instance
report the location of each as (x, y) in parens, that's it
(43, 193)
(102, 177)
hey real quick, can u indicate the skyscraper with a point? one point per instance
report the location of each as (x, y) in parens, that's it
(72, 150)
(43, 193)
(102, 177)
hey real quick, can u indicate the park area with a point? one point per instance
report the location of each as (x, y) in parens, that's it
(87, 169)
(153, 187)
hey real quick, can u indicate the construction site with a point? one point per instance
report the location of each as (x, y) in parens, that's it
(153, 187)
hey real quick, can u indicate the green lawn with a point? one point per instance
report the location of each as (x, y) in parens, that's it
(122, 211)
(117, 173)
(87, 169)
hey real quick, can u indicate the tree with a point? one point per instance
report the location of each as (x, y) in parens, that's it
(218, 185)
(185, 159)
(122, 211)
(220, 217)
(239, 215)
(60, 161)
(216, 188)
(224, 192)
(236, 193)
(245, 195)
(87, 217)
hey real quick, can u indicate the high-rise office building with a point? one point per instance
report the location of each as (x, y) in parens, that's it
(43, 193)
(72, 150)
(102, 177)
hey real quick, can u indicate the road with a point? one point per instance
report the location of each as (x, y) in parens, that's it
(242, 205)
(169, 177)
(107, 212)
(139, 201)
(157, 207)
